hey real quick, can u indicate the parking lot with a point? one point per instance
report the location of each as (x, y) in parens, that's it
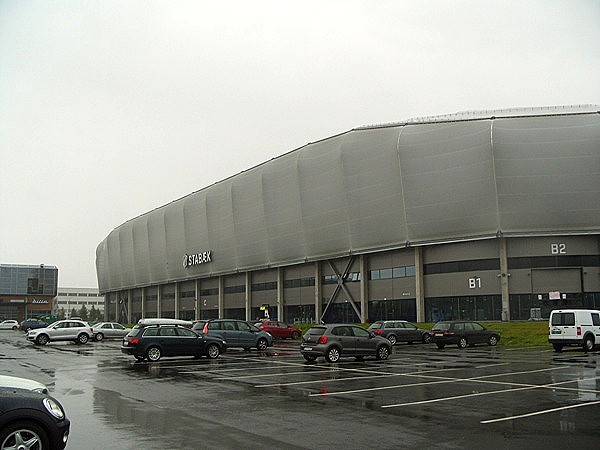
(478, 397)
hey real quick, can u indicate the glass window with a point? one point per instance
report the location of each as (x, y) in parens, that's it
(596, 319)
(153, 331)
(185, 332)
(243, 326)
(168, 331)
(477, 327)
(385, 274)
(374, 275)
(360, 332)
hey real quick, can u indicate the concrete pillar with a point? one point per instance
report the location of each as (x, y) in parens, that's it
(221, 297)
(158, 301)
(504, 276)
(176, 300)
(419, 285)
(129, 305)
(318, 292)
(364, 289)
(280, 294)
(106, 308)
(248, 283)
(197, 300)
(143, 306)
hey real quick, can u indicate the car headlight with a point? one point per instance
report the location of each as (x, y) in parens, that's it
(53, 408)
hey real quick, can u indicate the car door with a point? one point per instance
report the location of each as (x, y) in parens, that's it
(58, 331)
(246, 334)
(188, 342)
(345, 339)
(107, 330)
(477, 333)
(168, 339)
(412, 332)
(364, 344)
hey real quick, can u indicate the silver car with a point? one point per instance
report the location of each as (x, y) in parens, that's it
(77, 331)
(108, 330)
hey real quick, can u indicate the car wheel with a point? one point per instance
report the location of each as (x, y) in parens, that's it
(588, 344)
(295, 335)
(493, 340)
(557, 347)
(23, 435)
(392, 339)
(462, 342)
(83, 338)
(426, 339)
(310, 358)
(383, 352)
(262, 344)
(99, 337)
(332, 355)
(440, 345)
(153, 354)
(14, 328)
(42, 339)
(213, 351)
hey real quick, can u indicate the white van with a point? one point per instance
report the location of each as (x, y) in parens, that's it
(574, 327)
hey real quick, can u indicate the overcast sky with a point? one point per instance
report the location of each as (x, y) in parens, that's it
(109, 109)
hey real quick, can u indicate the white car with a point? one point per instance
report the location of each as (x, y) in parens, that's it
(107, 330)
(574, 327)
(77, 331)
(22, 383)
(9, 325)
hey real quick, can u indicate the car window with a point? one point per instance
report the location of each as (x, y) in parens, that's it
(153, 331)
(168, 331)
(596, 319)
(214, 325)
(316, 331)
(477, 327)
(359, 332)
(243, 326)
(106, 325)
(469, 326)
(376, 326)
(459, 326)
(412, 326)
(341, 331)
(441, 326)
(185, 332)
(563, 319)
(118, 326)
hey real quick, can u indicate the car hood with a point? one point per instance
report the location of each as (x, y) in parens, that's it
(22, 383)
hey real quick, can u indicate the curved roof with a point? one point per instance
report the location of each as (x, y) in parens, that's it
(475, 175)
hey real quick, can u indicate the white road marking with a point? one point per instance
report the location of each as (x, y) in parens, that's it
(537, 413)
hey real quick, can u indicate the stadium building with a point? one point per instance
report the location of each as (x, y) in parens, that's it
(491, 215)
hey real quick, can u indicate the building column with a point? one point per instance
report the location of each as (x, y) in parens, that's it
(419, 285)
(318, 291)
(106, 308)
(158, 301)
(143, 305)
(504, 275)
(248, 282)
(129, 304)
(197, 300)
(364, 289)
(280, 294)
(221, 297)
(176, 300)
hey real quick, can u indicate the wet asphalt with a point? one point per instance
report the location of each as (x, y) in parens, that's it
(479, 397)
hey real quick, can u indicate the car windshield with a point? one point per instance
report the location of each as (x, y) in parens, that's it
(316, 331)
(441, 326)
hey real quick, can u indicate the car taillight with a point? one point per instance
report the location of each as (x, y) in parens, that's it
(578, 331)
(380, 332)
(91, 330)
(322, 340)
(134, 341)
(205, 328)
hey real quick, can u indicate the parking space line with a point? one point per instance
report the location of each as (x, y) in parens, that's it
(272, 375)
(440, 380)
(537, 413)
(479, 394)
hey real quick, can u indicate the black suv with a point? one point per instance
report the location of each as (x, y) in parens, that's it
(462, 333)
(154, 341)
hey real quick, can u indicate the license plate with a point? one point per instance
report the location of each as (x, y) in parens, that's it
(556, 332)
(307, 349)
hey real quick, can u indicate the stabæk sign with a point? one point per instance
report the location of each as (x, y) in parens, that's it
(196, 259)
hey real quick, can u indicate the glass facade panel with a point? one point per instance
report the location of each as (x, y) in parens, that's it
(28, 280)
(393, 309)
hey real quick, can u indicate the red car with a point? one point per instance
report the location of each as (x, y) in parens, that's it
(280, 329)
